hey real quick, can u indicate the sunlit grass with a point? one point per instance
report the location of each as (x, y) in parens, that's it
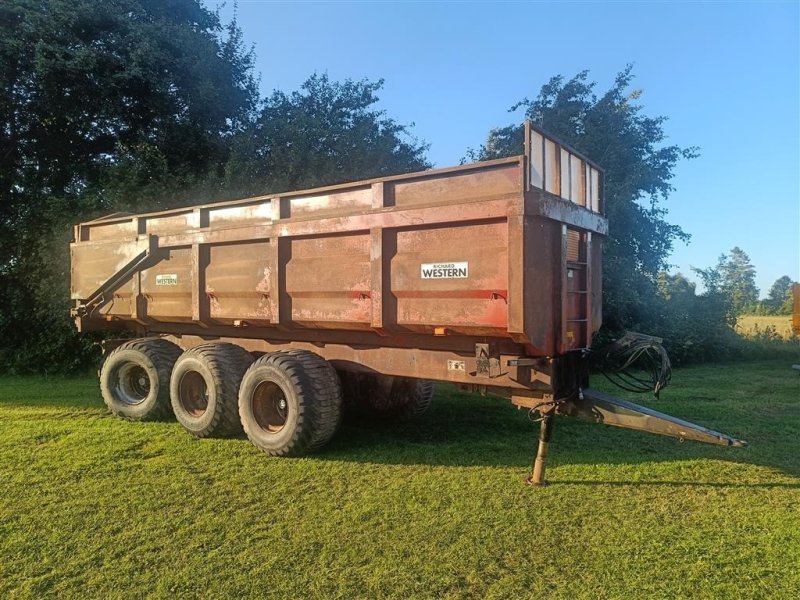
(97, 507)
(755, 325)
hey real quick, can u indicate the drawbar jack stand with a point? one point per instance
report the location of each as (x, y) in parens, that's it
(545, 433)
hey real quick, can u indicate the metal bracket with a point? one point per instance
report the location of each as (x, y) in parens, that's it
(98, 297)
(524, 362)
(488, 361)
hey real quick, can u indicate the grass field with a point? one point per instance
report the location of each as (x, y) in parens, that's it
(749, 325)
(93, 507)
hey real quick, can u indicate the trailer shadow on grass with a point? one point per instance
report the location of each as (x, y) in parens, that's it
(757, 402)
(467, 430)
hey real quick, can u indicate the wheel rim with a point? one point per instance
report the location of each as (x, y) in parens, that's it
(133, 384)
(193, 393)
(270, 407)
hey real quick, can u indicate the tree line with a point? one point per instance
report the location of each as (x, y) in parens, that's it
(734, 277)
(137, 105)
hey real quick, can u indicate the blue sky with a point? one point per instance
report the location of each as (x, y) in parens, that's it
(727, 74)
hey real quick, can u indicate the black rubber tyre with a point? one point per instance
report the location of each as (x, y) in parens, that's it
(290, 402)
(204, 388)
(386, 398)
(414, 397)
(134, 380)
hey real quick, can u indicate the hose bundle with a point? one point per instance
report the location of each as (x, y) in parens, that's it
(637, 363)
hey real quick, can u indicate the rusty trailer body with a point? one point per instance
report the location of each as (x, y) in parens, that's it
(486, 275)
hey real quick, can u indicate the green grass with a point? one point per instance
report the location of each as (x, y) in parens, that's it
(97, 507)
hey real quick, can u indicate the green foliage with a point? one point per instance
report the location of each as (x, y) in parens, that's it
(700, 328)
(104, 106)
(734, 278)
(326, 133)
(738, 280)
(694, 328)
(760, 308)
(136, 105)
(95, 507)
(767, 343)
(613, 130)
(779, 297)
(87, 81)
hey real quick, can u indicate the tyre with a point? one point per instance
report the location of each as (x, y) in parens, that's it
(386, 398)
(204, 388)
(134, 380)
(413, 398)
(290, 402)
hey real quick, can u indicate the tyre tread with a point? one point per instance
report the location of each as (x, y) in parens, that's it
(228, 364)
(418, 402)
(319, 400)
(163, 354)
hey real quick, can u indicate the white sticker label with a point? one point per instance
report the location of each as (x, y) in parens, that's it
(452, 270)
(456, 365)
(170, 279)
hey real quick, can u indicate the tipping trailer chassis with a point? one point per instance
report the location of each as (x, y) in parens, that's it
(587, 404)
(487, 276)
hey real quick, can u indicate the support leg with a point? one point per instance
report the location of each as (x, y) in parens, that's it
(545, 433)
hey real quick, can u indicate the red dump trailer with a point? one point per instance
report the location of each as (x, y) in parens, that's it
(269, 313)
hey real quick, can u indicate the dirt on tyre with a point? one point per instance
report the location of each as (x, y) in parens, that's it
(134, 379)
(204, 388)
(386, 398)
(290, 402)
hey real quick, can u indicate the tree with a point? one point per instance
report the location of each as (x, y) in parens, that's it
(88, 83)
(612, 130)
(132, 105)
(779, 297)
(734, 278)
(325, 133)
(738, 280)
(674, 286)
(693, 327)
(97, 99)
